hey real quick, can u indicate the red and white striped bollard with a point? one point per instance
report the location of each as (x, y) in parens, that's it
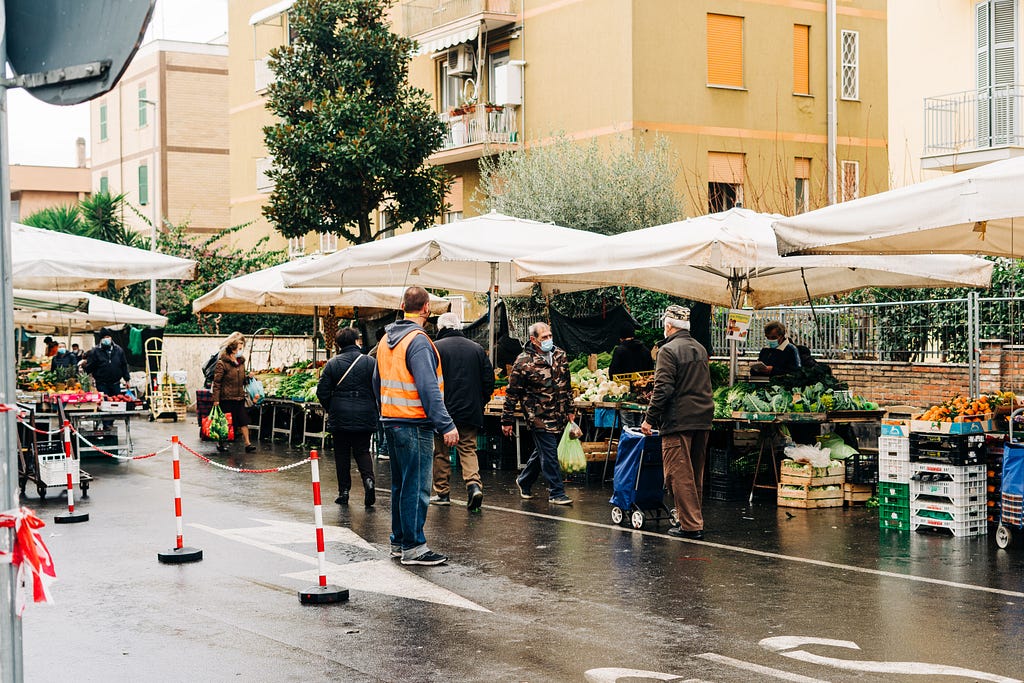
(322, 593)
(70, 517)
(179, 554)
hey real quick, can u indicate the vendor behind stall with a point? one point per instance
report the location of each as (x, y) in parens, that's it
(64, 362)
(780, 356)
(631, 355)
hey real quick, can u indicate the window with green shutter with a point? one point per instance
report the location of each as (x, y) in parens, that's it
(142, 107)
(143, 185)
(104, 185)
(103, 122)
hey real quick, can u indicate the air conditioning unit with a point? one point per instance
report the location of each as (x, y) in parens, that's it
(460, 61)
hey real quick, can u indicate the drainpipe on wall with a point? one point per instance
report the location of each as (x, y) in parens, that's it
(830, 162)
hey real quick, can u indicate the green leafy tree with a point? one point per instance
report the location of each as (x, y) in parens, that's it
(609, 189)
(353, 135)
(65, 218)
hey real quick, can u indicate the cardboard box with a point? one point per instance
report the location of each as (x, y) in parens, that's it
(896, 428)
(980, 426)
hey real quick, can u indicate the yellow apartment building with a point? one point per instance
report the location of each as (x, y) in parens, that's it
(955, 78)
(738, 87)
(161, 136)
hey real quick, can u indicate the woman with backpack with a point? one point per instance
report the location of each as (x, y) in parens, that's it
(346, 393)
(229, 389)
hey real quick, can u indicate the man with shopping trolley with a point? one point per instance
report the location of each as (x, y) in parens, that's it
(682, 409)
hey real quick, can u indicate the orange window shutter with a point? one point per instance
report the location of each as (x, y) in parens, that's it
(801, 167)
(725, 50)
(724, 167)
(801, 59)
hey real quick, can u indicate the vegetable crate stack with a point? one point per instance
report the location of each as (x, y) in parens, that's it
(894, 476)
(948, 483)
(802, 485)
(994, 462)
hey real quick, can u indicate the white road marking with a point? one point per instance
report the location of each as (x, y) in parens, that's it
(780, 643)
(757, 668)
(372, 576)
(763, 553)
(294, 532)
(388, 578)
(611, 675)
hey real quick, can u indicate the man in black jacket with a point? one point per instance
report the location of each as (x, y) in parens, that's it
(107, 364)
(468, 385)
(631, 355)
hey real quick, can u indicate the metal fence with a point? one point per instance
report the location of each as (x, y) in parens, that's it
(972, 120)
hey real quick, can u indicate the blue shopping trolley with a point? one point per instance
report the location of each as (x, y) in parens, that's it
(638, 481)
(1011, 514)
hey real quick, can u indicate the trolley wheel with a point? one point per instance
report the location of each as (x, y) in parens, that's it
(85, 489)
(617, 515)
(41, 490)
(1004, 537)
(673, 517)
(637, 519)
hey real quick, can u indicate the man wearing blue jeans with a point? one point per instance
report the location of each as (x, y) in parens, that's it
(410, 387)
(540, 382)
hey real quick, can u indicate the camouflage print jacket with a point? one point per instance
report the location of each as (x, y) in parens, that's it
(543, 389)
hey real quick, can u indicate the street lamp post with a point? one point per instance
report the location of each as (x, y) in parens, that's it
(153, 199)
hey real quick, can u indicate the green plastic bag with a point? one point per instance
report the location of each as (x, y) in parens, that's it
(570, 452)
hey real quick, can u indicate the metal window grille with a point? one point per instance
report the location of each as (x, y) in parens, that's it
(850, 46)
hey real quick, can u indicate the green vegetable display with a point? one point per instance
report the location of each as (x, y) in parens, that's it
(817, 398)
(297, 386)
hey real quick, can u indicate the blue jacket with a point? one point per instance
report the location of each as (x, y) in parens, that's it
(422, 362)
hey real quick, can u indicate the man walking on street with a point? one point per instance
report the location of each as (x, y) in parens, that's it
(410, 385)
(682, 408)
(540, 382)
(468, 384)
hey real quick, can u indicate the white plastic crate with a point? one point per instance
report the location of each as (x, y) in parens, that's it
(959, 493)
(959, 473)
(895, 447)
(974, 527)
(893, 470)
(52, 472)
(957, 513)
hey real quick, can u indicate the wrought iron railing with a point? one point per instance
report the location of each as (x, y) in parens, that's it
(974, 120)
(478, 124)
(419, 16)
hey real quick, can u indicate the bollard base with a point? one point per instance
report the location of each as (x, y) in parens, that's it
(180, 555)
(71, 518)
(323, 595)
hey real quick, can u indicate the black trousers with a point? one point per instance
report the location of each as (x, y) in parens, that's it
(349, 445)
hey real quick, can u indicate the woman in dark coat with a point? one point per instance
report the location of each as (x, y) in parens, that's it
(229, 391)
(346, 393)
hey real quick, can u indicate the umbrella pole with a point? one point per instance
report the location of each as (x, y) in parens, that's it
(734, 344)
(491, 292)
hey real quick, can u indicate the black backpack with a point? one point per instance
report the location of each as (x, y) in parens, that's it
(208, 368)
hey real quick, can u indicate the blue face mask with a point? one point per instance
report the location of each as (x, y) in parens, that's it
(547, 346)
(62, 350)
(773, 343)
(106, 342)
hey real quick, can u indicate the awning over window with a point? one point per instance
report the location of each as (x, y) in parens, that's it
(271, 12)
(447, 40)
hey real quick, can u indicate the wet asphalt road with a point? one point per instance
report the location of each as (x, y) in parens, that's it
(533, 592)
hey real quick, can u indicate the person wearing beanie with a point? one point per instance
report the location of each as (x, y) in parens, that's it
(631, 355)
(682, 409)
(468, 385)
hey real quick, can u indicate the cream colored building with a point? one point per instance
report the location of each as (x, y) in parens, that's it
(161, 136)
(34, 188)
(738, 87)
(955, 93)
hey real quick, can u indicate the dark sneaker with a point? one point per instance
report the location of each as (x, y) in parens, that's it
(441, 499)
(560, 500)
(427, 558)
(370, 495)
(342, 498)
(524, 493)
(221, 447)
(676, 532)
(251, 448)
(475, 496)
(396, 551)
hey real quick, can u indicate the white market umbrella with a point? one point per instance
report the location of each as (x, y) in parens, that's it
(980, 211)
(38, 300)
(471, 255)
(264, 292)
(51, 260)
(731, 259)
(100, 313)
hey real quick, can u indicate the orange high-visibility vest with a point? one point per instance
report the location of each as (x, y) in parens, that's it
(398, 395)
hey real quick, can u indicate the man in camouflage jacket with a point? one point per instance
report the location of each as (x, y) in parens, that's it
(541, 384)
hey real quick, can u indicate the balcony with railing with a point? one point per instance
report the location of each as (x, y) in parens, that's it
(476, 130)
(423, 16)
(971, 128)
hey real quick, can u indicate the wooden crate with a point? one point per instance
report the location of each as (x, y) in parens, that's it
(810, 504)
(857, 494)
(809, 495)
(834, 474)
(596, 451)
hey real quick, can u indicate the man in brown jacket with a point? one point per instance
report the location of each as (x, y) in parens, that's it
(682, 409)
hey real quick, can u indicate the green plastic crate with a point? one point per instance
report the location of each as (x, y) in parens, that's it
(894, 524)
(893, 513)
(894, 494)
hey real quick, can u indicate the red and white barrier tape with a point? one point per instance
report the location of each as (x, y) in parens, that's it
(96, 448)
(30, 556)
(244, 470)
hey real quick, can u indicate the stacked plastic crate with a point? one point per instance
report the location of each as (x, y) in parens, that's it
(894, 476)
(948, 483)
(994, 462)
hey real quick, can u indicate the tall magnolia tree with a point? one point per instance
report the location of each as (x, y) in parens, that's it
(353, 135)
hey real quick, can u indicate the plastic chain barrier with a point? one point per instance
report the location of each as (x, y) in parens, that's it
(29, 427)
(244, 470)
(96, 448)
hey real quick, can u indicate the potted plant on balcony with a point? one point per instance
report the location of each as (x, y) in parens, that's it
(492, 107)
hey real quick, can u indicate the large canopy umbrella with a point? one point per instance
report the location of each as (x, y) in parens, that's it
(264, 292)
(731, 259)
(98, 313)
(980, 211)
(50, 260)
(471, 255)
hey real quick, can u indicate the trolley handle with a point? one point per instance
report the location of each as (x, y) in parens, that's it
(1010, 420)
